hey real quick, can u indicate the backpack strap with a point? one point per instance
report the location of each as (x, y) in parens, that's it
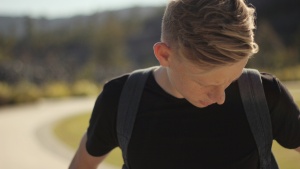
(253, 98)
(128, 107)
(257, 112)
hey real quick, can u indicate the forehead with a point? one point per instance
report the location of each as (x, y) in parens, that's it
(215, 74)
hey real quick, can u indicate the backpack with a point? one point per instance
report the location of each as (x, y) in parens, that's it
(252, 95)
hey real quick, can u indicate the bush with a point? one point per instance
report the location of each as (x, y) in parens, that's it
(5, 93)
(84, 88)
(25, 92)
(288, 73)
(56, 90)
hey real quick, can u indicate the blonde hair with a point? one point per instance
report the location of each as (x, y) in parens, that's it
(210, 32)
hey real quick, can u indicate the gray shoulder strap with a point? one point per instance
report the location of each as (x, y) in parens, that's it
(257, 112)
(128, 107)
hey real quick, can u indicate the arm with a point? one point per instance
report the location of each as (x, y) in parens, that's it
(83, 160)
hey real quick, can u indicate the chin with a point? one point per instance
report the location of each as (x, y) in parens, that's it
(202, 104)
(199, 103)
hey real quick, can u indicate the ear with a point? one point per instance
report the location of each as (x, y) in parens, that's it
(162, 53)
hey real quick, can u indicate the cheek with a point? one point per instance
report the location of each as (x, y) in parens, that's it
(193, 90)
(187, 87)
(182, 85)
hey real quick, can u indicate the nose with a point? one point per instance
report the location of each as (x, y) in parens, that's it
(218, 95)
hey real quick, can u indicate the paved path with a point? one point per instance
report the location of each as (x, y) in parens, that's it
(26, 140)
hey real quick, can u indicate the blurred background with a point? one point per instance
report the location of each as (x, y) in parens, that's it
(53, 48)
(58, 49)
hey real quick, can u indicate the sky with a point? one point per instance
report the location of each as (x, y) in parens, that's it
(67, 8)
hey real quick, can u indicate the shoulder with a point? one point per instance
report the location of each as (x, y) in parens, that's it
(101, 131)
(272, 85)
(115, 83)
(108, 99)
(284, 112)
(270, 82)
(269, 79)
(273, 89)
(114, 86)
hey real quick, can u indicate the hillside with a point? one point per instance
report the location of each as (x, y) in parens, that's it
(104, 44)
(17, 26)
(91, 47)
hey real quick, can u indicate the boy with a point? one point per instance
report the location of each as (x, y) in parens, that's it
(191, 115)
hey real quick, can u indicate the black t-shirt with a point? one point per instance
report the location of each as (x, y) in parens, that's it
(171, 133)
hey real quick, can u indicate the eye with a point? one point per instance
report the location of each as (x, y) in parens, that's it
(200, 83)
(203, 85)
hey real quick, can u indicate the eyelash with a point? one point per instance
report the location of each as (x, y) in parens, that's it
(202, 85)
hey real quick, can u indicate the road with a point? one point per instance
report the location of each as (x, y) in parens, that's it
(27, 141)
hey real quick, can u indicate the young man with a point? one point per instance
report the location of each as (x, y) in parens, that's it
(191, 114)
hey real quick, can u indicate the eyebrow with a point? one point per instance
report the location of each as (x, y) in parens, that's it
(230, 82)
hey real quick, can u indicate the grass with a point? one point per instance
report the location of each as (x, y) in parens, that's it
(286, 159)
(70, 131)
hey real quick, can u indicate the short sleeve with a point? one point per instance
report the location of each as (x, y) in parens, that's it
(284, 113)
(101, 133)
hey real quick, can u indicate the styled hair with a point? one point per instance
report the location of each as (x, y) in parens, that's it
(210, 32)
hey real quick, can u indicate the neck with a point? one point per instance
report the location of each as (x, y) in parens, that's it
(162, 79)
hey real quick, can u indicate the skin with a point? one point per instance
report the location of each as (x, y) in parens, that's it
(83, 160)
(183, 79)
